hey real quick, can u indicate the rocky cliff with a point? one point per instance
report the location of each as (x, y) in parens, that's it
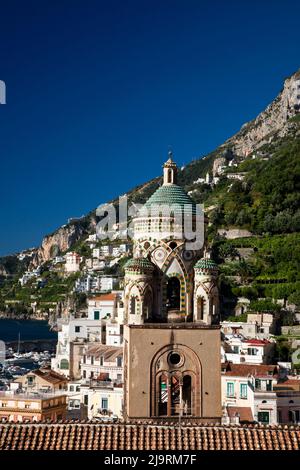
(63, 239)
(272, 122)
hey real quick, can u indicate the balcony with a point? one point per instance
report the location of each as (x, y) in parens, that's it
(107, 384)
(23, 395)
(264, 395)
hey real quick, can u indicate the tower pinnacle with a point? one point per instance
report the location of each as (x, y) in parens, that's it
(170, 170)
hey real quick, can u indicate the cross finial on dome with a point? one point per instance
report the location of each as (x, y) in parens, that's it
(170, 155)
(170, 162)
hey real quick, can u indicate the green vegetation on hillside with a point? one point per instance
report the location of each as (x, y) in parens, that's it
(50, 289)
(267, 200)
(270, 272)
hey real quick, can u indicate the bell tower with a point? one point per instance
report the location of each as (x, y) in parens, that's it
(171, 348)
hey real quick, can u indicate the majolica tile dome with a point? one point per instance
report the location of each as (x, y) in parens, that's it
(206, 265)
(171, 196)
(139, 266)
(170, 213)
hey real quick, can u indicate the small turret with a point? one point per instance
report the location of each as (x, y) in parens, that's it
(170, 171)
(206, 295)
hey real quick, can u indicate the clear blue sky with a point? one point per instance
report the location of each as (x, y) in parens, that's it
(97, 91)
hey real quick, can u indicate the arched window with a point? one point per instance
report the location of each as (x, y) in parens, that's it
(170, 176)
(187, 395)
(175, 395)
(147, 305)
(200, 308)
(173, 293)
(163, 395)
(175, 388)
(133, 305)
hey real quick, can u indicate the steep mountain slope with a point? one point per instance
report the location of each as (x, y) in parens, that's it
(271, 123)
(261, 194)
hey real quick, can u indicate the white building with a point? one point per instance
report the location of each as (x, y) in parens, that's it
(103, 363)
(59, 259)
(80, 329)
(98, 265)
(106, 250)
(103, 400)
(25, 254)
(107, 283)
(124, 248)
(113, 334)
(236, 176)
(72, 262)
(258, 325)
(237, 349)
(29, 275)
(288, 400)
(248, 393)
(103, 306)
(92, 238)
(116, 251)
(74, 396)
(26, 277)
(96, 253)
(90, 283)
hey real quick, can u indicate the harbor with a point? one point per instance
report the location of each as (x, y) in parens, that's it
(29, 345)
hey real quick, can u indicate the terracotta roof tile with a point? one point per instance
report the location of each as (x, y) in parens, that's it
(49, 375)
(104, 297)
(258, 342)
(245, 370)
(244, 412)
(289, 384)
(143, 436)
(108, 352)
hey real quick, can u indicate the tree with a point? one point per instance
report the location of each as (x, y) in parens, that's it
(265, 305)
(80, 299)
(216, 216)
(227, 250)
(244, 270)
(287, 318)
(283, 350)
(295, 298)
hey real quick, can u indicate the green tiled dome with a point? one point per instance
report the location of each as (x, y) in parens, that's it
(206, 264)
(167, 195)
(140, 265)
